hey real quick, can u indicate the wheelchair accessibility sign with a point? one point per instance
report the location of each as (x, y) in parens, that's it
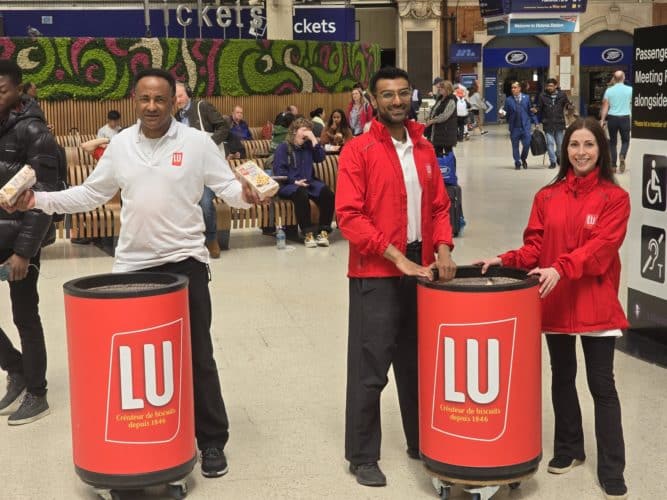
(653, 254)
(654, 182)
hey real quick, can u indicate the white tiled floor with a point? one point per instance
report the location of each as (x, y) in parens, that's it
(280, 327)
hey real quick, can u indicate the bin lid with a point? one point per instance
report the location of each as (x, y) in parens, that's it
(496, 279)
(125, 285)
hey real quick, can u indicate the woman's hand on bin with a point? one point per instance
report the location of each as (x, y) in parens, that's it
(486, 263)
(548, 278)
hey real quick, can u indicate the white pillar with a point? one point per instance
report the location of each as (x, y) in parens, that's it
(419, 15)
(279, 19)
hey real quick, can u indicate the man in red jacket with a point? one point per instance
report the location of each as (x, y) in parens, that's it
(393, 209)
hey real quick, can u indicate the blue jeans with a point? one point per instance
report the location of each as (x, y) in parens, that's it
(554, 144)
(520, 136)
(208, 209)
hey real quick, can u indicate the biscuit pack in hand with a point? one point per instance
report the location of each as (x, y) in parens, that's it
(22, 181)
(264, 185)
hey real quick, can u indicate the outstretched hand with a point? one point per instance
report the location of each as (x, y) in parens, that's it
(25, 202)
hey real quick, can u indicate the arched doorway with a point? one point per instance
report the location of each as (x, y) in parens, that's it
(509, 58)
(600, 55)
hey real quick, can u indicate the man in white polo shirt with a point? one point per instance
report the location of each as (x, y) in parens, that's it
(161, 167)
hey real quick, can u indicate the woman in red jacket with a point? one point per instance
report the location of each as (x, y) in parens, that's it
(576, 227)
(359, 112)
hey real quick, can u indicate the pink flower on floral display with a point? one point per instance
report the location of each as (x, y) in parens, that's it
(60, 74)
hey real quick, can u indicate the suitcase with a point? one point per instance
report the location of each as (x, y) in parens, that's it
(456, 209)
(538, 143)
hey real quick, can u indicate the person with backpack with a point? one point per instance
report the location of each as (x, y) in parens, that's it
(551, 107)
(24, 139)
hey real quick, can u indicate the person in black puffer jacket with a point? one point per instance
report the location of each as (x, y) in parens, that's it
(551, 107)
(24, 139)
(441, 127)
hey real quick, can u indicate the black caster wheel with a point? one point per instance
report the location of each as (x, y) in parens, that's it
(177, 491)
(514, 486)
(476, 496)
(441, 488)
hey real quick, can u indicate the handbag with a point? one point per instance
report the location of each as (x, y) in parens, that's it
(221, 146)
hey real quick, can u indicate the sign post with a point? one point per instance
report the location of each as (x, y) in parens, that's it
(646, 267)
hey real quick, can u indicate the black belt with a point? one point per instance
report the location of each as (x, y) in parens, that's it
(414, 246)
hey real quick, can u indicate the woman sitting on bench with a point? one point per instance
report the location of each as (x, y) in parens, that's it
(294, 160)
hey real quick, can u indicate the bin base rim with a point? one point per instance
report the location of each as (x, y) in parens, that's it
(458, 473)
(133, 481)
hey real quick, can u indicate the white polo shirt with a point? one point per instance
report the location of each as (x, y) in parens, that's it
(413, 188)
(161, 183)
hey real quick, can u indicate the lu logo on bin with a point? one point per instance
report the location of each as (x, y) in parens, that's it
(144, 391)
(472, 379)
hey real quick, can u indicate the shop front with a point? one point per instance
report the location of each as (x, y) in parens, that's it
(517, 58)
(600, 55)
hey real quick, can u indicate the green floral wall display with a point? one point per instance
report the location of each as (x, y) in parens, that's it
(103, 68)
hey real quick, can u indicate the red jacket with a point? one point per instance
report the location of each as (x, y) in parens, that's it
(365, 115)
(371, 201)
(577, 226)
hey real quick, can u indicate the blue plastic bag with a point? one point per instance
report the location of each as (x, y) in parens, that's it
(447, 164)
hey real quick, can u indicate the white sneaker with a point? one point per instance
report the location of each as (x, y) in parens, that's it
(322, 239)
(309, 241)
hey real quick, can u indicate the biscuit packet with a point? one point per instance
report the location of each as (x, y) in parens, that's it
(22, 181)
(260, 181)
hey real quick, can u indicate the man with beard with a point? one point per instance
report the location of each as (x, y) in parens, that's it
(393, 209)
(551, 106)
(24, 139)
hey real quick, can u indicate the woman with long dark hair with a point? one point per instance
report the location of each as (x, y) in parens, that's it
(576, 227)
(337, 131)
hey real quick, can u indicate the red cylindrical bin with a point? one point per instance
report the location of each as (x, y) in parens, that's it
(130, 373)
(480, 374)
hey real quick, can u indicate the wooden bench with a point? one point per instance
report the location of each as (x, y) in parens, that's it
(278, 212)
(256, 133)
(257, 148)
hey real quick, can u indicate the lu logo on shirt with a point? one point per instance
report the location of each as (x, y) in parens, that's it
(591, 219)
(177, 159)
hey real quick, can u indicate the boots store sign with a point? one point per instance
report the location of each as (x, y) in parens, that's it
(322, 23)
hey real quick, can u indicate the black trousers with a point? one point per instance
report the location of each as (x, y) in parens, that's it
(325, 202)
(382, 332)
(569, 436)
(31, 360)
(211, 422)
(443, 150)
(618, 125)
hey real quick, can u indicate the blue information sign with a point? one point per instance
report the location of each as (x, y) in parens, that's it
(531, 26)
(497, 8)
(465, 53)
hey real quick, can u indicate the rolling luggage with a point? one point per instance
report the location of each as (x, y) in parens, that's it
(455, 209)
(538, 143)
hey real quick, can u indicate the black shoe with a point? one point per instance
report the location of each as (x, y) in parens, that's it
(524, 163)
(621, 164)
(369, 474)
(213, 462)
(12, 399)
(413, 453)
(562, 464)
(615, 489)
(552, 165)
(517, 167)
(32, 408)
